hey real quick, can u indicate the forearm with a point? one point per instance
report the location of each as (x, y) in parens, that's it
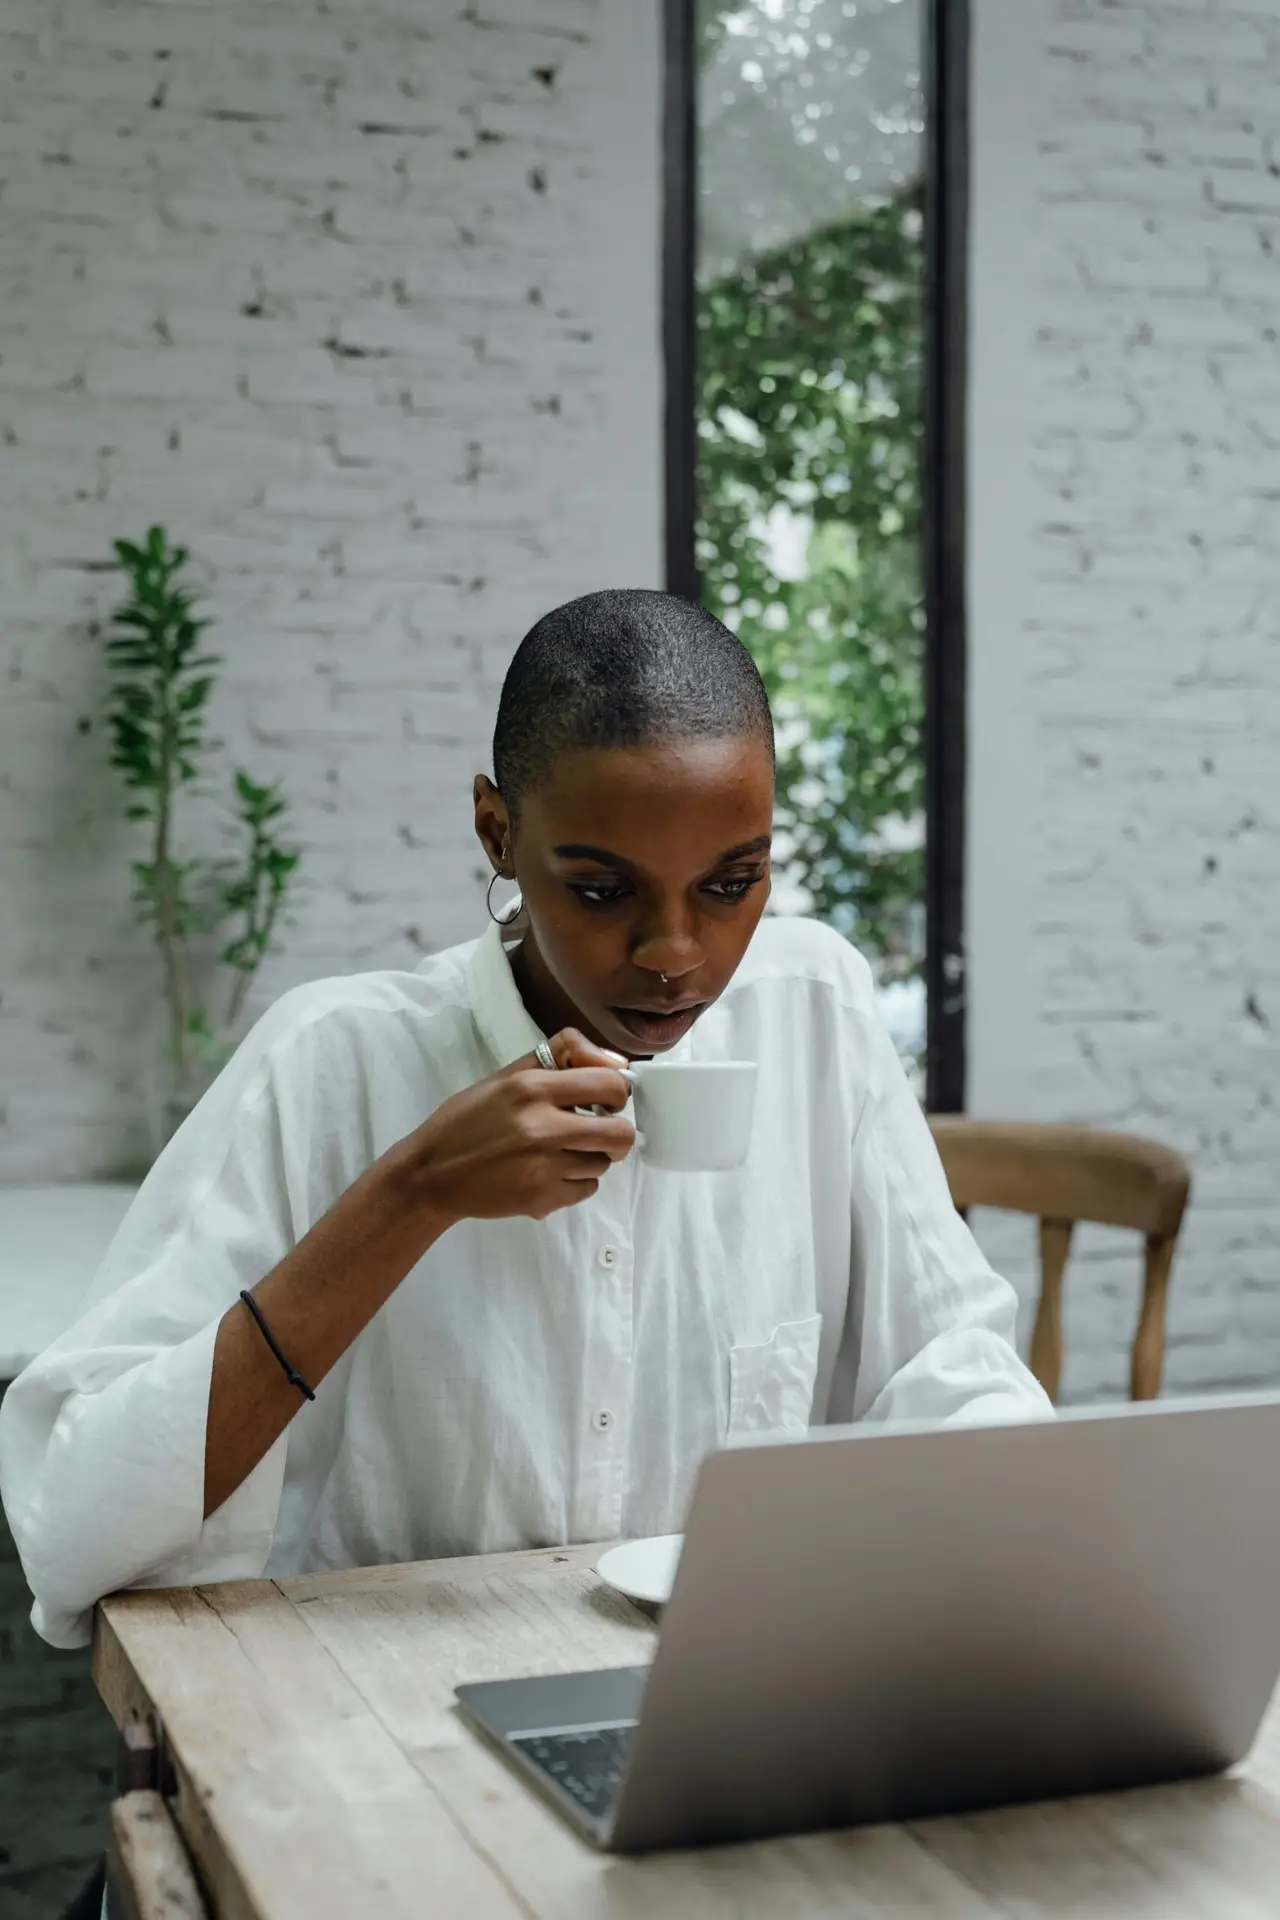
(144, 1447)
(316, 1301)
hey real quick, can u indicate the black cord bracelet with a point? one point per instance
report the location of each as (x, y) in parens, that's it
(294, 1378)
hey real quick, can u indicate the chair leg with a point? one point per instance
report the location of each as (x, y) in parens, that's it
(1147, 1363)
(149, 1872)
(1046, 1335)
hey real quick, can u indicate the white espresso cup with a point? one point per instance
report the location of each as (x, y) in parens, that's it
(694, 1116)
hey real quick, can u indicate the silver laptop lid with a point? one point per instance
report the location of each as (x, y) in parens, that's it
(870, 1624)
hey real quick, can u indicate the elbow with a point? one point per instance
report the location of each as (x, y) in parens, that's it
(62, 1585)
(74, 1504)
(62, 1600)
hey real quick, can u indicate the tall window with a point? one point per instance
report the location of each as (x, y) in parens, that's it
(808, 396)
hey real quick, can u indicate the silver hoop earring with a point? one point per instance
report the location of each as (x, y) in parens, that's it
(488, 898)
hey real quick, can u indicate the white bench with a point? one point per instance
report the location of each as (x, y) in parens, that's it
(51, 1242)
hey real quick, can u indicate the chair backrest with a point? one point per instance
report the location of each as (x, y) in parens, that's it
(1062, 1175)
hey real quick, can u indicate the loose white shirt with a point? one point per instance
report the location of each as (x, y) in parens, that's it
(529, 1383)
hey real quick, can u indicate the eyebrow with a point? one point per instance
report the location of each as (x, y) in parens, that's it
(574, 851)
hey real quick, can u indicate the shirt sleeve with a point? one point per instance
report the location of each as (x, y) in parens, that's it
(930, 1329)
(102, 1438)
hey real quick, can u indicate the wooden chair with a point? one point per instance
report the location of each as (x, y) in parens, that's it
(149, 1875)
(1065, 1174)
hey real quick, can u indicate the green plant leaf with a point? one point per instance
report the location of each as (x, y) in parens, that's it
(193, 695)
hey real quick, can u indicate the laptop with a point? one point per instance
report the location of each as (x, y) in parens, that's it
(882, 1624)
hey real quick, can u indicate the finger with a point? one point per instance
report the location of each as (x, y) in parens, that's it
(573, 1192)
(585, 1133)
(585, 1166)
(586, 1087)
(570, 1048)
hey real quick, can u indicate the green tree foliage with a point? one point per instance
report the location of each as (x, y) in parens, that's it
(810, 407)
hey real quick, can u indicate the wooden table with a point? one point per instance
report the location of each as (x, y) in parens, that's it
(323, 1774)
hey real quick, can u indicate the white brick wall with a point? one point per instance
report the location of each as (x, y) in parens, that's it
(362, 301)
(360, 298)
(1150, 633)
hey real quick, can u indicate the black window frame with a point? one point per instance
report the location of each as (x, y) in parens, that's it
(944, 479)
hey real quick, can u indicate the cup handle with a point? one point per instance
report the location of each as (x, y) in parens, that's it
(605, 1113)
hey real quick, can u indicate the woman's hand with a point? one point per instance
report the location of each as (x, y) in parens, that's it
(516, 1143)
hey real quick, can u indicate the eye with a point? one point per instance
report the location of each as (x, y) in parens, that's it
(734, 887)
(599, 893)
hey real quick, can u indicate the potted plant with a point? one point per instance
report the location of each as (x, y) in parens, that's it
(213, 920)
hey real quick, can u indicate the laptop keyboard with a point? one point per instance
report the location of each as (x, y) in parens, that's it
(587, 1765)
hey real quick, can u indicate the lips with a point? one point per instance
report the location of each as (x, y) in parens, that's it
(658, 1028)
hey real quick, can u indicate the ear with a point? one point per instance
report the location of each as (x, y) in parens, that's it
(493, 824)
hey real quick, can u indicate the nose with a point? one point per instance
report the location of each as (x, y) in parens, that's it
(671, 951)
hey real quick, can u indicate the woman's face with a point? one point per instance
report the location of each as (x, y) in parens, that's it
(635, 863)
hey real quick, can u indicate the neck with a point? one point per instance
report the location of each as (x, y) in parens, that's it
(545, 1000)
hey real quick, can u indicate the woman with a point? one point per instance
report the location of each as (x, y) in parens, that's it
(391, 1293)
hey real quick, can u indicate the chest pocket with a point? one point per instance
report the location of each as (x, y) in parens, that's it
(771, 1385)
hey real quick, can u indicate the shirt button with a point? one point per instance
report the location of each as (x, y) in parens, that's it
(608, 1256)
(602, 1421)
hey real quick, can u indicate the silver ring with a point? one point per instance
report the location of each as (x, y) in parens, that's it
(544, 1057)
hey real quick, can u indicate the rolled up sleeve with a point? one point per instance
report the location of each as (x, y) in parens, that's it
(930, 1331)
(102, 1438)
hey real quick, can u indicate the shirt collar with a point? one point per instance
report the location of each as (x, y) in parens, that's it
(496, 1007)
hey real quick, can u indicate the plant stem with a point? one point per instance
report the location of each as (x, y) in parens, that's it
(245, 975)
(235, 1005)
(167, 937)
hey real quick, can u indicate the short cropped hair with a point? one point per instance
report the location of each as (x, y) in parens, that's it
(624, 668)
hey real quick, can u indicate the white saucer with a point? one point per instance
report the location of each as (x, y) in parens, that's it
(643, 1569)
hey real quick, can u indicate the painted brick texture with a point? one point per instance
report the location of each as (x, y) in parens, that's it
(319, 286)
(1154, 643)
(325, 288)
